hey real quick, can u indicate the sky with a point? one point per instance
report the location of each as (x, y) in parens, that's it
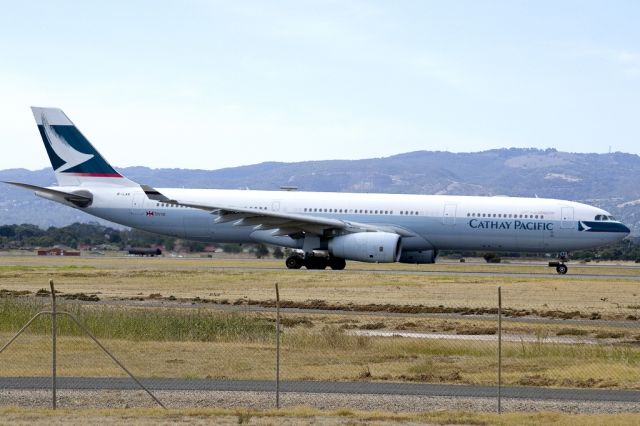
(214, 84)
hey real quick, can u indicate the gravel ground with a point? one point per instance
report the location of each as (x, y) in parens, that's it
(262, 400)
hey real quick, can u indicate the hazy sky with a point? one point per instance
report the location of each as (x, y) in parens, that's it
(212, 84)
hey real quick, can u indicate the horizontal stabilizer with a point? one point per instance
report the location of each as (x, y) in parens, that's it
(82, 198)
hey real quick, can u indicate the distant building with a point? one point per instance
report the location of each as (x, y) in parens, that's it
(58, 251)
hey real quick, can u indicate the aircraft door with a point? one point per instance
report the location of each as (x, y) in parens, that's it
(449, 214)
(137, 204)
(567, 217)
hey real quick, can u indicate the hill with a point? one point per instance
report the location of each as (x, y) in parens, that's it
(605, 180)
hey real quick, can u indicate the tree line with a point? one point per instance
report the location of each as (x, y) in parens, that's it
(77, 235)
(28, 236)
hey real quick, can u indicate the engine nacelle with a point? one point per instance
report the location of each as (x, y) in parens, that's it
(383, 247)
(418, 256)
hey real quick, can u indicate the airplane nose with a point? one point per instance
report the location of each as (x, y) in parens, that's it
(626, 229)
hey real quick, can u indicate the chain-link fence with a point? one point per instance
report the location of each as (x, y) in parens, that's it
(423, 357)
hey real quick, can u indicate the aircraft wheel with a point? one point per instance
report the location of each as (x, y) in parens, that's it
(337, 263)
(315, 263)
(294, 262)
(562, 269)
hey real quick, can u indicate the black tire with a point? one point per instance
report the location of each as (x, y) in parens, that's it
(562, 269)
(337, 263)
(294, 262)
(315, 263)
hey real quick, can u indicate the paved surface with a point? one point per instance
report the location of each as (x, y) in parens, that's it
(513, 338)
(352, 388)
(569, 275)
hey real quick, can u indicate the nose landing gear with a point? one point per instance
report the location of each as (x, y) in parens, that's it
(561, 268)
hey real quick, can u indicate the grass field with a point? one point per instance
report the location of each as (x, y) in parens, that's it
(213, 280)
(157, 321)
(205, 343)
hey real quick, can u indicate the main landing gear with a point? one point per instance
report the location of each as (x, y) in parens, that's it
(312, 262)
(561, 268)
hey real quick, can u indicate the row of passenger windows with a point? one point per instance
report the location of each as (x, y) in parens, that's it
(357, 211)
(505, 215)
(170, 205)
(405, 212)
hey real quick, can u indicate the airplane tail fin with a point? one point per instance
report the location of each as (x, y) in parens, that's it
(74, 160)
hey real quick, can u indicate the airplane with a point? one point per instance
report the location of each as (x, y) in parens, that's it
(324, 229)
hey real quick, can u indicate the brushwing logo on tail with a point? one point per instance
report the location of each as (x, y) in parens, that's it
(61, 147)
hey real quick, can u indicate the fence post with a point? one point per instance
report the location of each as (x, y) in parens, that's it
(54, 330)
(277, 347)
(499, 350)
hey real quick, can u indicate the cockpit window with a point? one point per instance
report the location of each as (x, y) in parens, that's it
(600, 217)
(612, 218)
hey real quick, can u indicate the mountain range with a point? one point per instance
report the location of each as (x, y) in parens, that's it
(604, 180)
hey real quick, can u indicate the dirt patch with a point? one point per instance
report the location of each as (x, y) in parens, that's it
(451, 377)
(571, 332)
(13, 293)
(81, 296)
(536, 380)
(609, 335)
(477, 331)
(318, 304)
(372, 326)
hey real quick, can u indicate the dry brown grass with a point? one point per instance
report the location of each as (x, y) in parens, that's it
(302, 416)
(207, 279)
(325, 352)
(314, 347)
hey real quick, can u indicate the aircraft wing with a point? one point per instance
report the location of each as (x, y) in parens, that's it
(281, 223)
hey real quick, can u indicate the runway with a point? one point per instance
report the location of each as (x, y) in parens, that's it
(438, 273)
(351, 388)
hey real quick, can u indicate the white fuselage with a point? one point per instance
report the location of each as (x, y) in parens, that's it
(429, 222)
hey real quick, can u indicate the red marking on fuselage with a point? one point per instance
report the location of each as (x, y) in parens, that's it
(107, 175)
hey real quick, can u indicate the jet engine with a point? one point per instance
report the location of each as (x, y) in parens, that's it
(384, 247)
(418, 256)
